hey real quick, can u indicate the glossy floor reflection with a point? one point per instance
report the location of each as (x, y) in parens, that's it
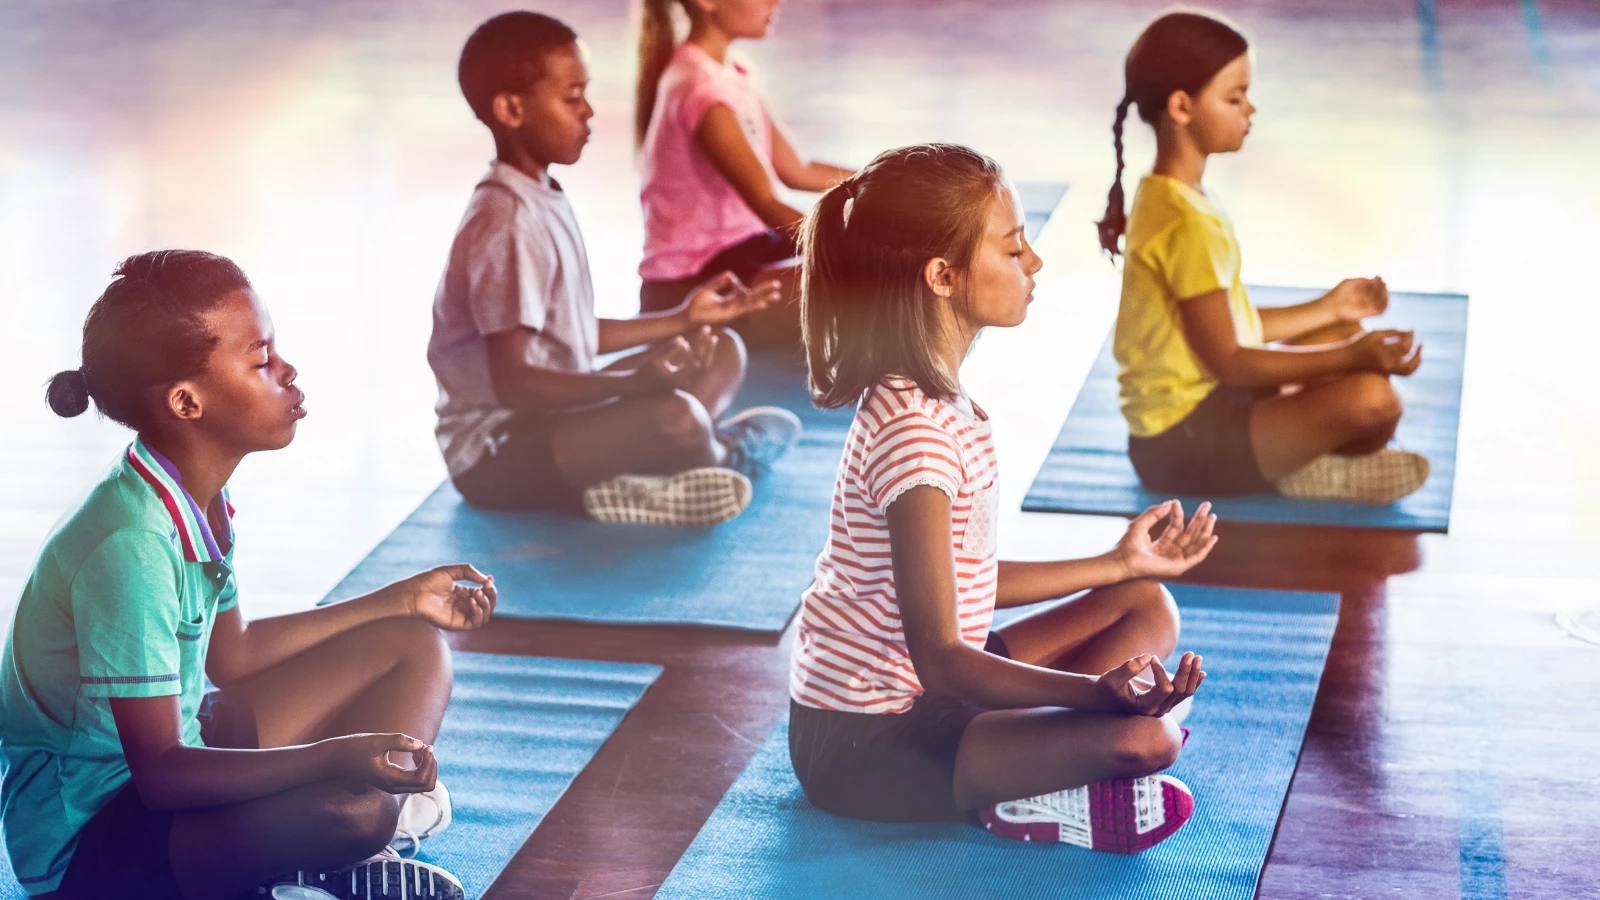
(1445, 144)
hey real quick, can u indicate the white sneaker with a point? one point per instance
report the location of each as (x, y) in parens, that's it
(757, 436)
(1380, 478)
(421, 817)
(694, 498)
(385, 875)
(1125, 815)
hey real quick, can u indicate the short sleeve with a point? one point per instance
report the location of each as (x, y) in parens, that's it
(229, 598)
(908, 451)
(701, 91)
(126, 609)
(509, 262)
(1198, 258)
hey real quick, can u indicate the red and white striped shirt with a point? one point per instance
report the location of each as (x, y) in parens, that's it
(850, 653)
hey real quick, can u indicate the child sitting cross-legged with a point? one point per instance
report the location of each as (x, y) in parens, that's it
(526, 417)
(905, 704)
(120, 774)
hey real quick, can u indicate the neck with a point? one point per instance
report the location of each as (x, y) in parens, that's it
(955, 350)
(517, 157)
(1178, 157)
(713, 40)
(202, 467)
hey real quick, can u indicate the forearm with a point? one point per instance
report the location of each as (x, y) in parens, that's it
(776, 213)
(544, 389)
(1022, 583)
(1285, 323)
(185, 777)
(1251, 367)
(648, 328)
(816, 176)
(264, 643)
(964, 672)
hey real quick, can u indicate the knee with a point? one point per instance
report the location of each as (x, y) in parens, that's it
(354, 825)
(418, 643)
(681, 419)
(1152, 603)
(1145, 745)
(731, 357)
(1373, 403)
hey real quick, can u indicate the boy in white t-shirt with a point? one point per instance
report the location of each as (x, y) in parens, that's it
(526, 420)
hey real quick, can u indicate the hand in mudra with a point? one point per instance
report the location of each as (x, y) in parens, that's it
(1179, 548)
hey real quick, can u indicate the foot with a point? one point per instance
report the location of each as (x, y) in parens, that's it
(757, 436)
(1125, 815)
(384, 875)
(696, 498)
(1380, 478)
(421, 817)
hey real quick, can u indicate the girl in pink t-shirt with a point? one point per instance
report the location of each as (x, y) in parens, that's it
(905, 705)
(712, 158)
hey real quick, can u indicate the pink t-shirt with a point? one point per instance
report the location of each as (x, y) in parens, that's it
(692, 213)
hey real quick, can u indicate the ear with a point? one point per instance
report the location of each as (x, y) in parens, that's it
(1180, 108)
(940, 277)
(182, 402)
(507, 109)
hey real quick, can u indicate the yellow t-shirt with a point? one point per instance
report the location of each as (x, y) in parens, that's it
(1179, 246)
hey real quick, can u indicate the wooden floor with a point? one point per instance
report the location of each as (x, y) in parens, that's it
(1446, 144)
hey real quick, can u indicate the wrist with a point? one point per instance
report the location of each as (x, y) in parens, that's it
(1118, 567)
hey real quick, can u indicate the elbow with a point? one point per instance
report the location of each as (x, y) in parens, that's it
(155, 791)
(940, 671)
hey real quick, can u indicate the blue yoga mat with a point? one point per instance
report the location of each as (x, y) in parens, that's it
(1088, 470)
(518, 730)
(1264, 653)
(746, 574)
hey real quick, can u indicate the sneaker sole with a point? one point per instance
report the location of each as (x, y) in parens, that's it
(1377, 481)
(1113, 827)
(697, 498)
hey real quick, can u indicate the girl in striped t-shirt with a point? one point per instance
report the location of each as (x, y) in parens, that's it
(905, 705)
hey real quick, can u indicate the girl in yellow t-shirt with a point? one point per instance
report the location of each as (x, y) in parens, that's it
(1222, 397)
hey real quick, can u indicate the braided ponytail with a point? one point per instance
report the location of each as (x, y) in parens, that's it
(1115, 223)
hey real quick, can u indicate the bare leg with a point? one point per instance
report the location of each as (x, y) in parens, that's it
(1096, 631)
(390, 676)
(1355, 413)
(1007, 754)
(658, 435)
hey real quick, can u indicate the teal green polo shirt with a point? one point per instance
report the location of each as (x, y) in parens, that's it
(120, 604)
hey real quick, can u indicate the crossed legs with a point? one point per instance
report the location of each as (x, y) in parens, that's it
(657, 435)
(393, 675)
(1349, 414)
(1008, 754)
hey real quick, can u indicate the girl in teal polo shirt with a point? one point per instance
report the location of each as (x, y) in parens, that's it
(119, 775)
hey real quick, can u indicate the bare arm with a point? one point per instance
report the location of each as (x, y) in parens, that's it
(240, 648)
(724, 143)
(925, 585)
(1180, 548)
(1350, 301)
(171, 775)
(799, 173)
(518, 384)
(1208, 326)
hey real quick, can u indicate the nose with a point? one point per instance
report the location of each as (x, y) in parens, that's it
(290, 373)
(588, 111)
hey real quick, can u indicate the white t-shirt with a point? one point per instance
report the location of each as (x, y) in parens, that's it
(850, 651)
(518, 259)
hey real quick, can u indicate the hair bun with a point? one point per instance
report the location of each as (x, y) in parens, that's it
(68, 393)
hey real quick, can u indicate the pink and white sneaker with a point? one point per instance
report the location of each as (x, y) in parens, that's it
(1124, 815)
